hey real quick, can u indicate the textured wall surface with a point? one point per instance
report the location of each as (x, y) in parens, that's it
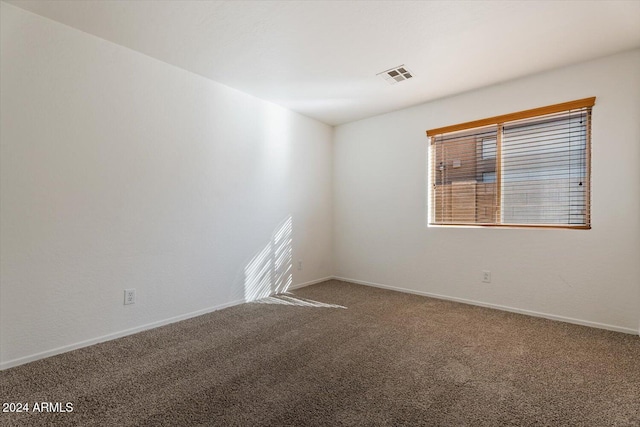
(592, 276)
(120, 171)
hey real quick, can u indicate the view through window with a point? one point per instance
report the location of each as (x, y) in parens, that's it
(523, 169)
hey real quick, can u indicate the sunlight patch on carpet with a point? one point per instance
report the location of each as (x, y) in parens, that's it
(289, 299)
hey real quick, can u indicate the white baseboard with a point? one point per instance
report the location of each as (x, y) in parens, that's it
(109, 337)
(312, 282)
(131, 331)
(498, 307)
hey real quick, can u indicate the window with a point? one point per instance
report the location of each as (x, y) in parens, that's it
(488, 177)
(526, 169)
(488, 148)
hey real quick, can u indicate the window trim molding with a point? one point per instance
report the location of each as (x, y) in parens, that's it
(541, 111)
(499, 122)
(510, 225)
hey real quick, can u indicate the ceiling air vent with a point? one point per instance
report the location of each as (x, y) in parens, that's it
(396, 74)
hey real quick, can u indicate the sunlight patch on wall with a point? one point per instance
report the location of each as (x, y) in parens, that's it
(270, 271)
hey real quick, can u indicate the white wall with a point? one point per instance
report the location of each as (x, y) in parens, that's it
(591, 277)
(120, 171)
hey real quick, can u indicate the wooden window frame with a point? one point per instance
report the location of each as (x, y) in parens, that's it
(499, 121)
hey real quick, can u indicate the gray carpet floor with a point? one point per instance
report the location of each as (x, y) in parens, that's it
(336, 354)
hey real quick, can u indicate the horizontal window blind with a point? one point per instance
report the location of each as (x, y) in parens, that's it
(530, 170)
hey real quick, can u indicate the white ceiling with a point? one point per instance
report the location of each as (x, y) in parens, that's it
(320, 58)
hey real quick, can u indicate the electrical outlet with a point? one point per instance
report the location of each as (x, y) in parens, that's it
(129, 296)
(486, 276)
(299, 264)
